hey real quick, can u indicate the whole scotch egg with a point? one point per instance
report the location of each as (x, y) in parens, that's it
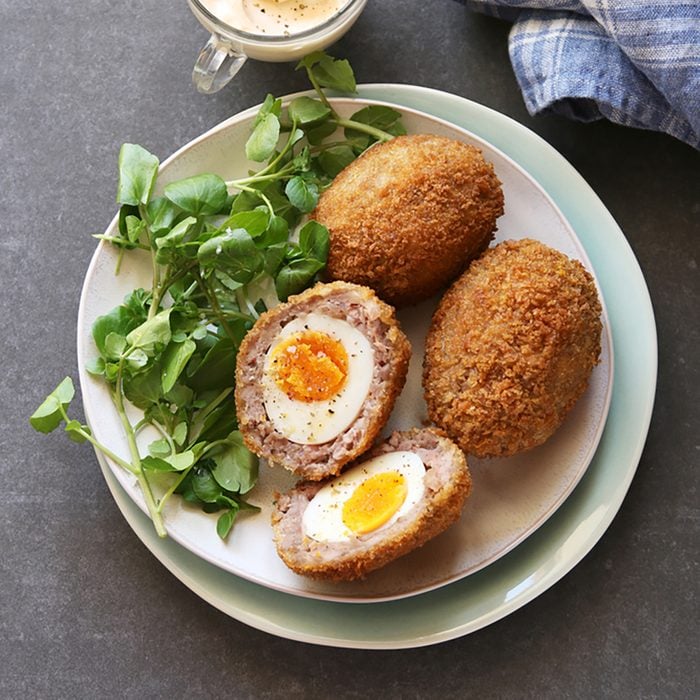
(317, 377)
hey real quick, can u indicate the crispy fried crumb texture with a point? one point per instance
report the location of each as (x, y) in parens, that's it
(361, 307)
(409, 214)
(511, 348)
(448, 484)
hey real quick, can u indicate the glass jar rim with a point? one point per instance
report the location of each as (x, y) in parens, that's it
(227, 29)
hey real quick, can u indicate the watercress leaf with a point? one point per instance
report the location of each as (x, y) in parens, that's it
(270, 105)
(335, 159)
(227, 281)
(334, 73)
(234, 252)
(262, 142)
(125, 211)
(314, 240)
(181, 460)
(111, 371)
(277, 231)
(162, 214)
(244, 505)
(281, 205)
(134, 228)
(303, 195)
(189, 495)
(276, 234)
(115, 344)
(174, 359)
(96, 366)
(254, 222)
(180, 433)
(48, 416)
(295, 137)
(152, 333)
(245, 201)
(225, 522)
(177, 234)
(200, 195)
(317, 133)
(159, 448)
(306, 110)
(295, 277)
(204, 485)
(76, 431)
(310, 60)
(137, 174)
(211, 507)
(378, 116)
(137, 360)
(143, 389)
(120, 320)
(302, 161)
(217, 368)
(236, 468)
(65, 391)
(219, 423)
(136, 305)
(294, 252)
(274, 255)
(180, 395)
(157, 464)
(396, 129)
(199, 332)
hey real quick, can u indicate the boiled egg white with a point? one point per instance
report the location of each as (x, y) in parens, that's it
(316, 377)
(366, 499)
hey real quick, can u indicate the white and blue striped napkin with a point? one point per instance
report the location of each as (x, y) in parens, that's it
(634, 62)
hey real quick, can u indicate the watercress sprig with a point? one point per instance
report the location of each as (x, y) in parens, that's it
(221, 252)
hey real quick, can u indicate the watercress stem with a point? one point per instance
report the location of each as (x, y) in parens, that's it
(258, 177)
(265, 173)
(268, 203)
(118, 241)
(156, 291)
(214, 302)
(164, 433)
(319, 91)
(117, 398)
(102, 448)
(171, 490)
(365, 128)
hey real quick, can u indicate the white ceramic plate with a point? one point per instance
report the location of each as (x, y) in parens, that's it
(511, 497)
(556, 547)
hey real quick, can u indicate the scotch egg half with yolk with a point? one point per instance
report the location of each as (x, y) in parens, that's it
(366, 499)
(317, 374)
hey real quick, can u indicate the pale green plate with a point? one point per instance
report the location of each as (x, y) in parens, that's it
(568, 535)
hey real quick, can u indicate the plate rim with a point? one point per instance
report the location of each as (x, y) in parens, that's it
(91, 409)
(394, 93)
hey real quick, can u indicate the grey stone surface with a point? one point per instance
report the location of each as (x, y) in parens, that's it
(85, 610)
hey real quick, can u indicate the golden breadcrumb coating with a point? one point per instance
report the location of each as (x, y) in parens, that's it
(408, 215)
(511, 347)
(361, 307)
(448, 485)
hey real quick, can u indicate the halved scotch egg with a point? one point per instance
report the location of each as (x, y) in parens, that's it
(317, 377)
(401, 494)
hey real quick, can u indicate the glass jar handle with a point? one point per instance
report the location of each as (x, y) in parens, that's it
(216, 64)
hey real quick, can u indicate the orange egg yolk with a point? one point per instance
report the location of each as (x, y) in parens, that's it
(374, 501)
(310, 366)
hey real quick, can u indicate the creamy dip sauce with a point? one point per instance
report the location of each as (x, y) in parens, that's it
(274, 17)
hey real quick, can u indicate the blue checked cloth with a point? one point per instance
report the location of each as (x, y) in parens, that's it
(634, 62)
